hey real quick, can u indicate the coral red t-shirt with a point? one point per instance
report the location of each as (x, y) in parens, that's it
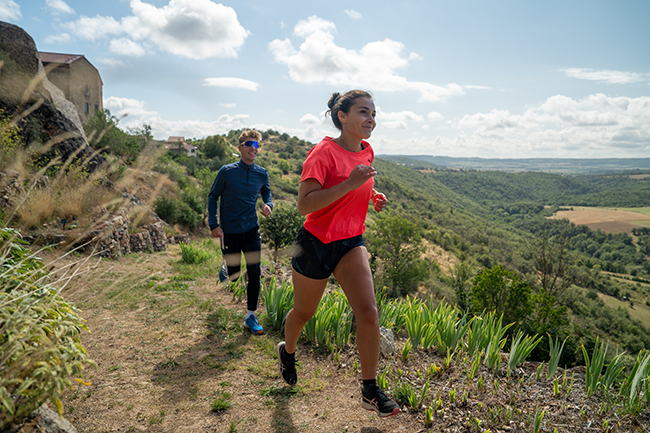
(330, 164)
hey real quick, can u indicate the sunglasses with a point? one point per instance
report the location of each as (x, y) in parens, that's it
(250, 143)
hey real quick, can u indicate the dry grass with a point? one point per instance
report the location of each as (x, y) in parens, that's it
(607, 220)
(167, 352)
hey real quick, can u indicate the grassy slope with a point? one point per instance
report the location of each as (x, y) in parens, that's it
(170, 347)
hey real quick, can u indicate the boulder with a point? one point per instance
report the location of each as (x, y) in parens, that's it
(386, 342)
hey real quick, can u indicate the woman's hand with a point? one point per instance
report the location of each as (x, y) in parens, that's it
(379, 200)
(360, 174)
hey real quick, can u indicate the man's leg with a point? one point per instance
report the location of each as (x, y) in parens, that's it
(252, 248)
(231, 250)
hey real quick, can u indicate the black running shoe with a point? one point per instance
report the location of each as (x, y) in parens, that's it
(286, 364)
(375, 399)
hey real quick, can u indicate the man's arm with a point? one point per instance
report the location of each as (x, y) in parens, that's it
(213, 198)
(267, 207)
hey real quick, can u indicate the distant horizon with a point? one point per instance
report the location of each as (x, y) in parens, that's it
(479, 157)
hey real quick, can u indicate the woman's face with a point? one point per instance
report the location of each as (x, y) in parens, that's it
(360, 120)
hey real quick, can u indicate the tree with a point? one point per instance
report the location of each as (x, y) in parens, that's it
(216, 146)
(281, 228)
(499, 290)
(103, 133)
(552, 261)
(462, 275)
(397, 245)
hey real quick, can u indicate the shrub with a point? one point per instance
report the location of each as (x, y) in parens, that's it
(193, 254)
(166, 208)
(281, 227)
(187, 216)
(40, 341)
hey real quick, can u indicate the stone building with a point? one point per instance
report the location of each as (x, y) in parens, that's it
(77, 78)
(179, 145)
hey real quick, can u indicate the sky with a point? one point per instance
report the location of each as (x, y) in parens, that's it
(466, 78)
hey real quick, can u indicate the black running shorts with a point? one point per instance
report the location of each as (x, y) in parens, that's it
(317, 260)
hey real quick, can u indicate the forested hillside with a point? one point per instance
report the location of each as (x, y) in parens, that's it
(494, 224)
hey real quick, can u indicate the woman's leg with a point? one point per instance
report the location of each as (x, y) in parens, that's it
(354, 275)
(307, 293)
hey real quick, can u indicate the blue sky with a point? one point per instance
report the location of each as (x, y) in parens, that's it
(490, 79)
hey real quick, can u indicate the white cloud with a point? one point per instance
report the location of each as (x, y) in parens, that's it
(234, 83)
(111, 62)
(61, 38)
(434, 115)
(126, 47)
(402, 116)
(354, 14)
(320, 60)
(94, 28)
(9, 10)
(598, 125)
(197, 29)
(59, 7)
(133, 114)
(607, 76)
(394, 124)
(310, 119)
(228, 104)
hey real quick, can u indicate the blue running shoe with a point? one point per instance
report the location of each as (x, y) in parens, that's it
(253, 325)
(223, 273)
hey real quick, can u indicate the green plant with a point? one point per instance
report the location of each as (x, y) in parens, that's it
(193, 254)
(331, 325)
(555, 352)
(483, 329)
(278, 302)
(40, 333)
(406, 350)
(280, 229)
(222, 401)
(520, 348)
(539, 416)
(450, 330)
(635, 389)
(416, 401)
(594, 366)
(381, 379)
(428, 417)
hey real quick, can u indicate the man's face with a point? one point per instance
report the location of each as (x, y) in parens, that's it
(248, 153)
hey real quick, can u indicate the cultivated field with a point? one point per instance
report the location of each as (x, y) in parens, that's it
(608, 220)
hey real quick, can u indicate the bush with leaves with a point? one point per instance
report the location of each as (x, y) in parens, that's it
(281, 228)
(104, 135)
(396, 246)
(499, 290)
(40, 334)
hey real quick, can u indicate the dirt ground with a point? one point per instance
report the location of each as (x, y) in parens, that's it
(164, 357)
(172, 356)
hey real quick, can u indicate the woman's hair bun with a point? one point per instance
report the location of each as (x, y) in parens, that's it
(333, 99)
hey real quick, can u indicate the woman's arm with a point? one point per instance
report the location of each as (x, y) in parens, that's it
(312, 196)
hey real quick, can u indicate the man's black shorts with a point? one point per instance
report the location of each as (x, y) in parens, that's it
(317, 260)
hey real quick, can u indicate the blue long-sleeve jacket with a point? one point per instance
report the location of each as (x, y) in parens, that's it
(238, 186)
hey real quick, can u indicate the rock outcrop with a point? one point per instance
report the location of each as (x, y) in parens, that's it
(43, 112)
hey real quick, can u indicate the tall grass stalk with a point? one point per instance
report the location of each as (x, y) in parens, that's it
(193, 254)
(40, 333)
(635, 389)
(520, 348)
(415, 321)
(482, 330)
(555, 352)
(451, 331)
(594, 366)
(278, 302)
